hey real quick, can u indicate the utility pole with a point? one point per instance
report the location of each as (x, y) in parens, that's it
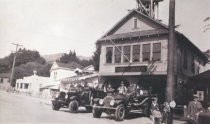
(13, 65)
(171, 59)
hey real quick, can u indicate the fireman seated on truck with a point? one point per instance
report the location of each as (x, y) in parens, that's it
(122, 89)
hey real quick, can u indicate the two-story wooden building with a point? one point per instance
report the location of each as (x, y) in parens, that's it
(136, 49)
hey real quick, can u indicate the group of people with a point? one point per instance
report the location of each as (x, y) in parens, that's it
(79, 85)
(122, 89)
(160, 116)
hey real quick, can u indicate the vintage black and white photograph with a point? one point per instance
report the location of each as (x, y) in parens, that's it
(105, 61)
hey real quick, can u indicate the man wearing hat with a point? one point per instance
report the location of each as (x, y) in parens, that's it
(122, 89)
(194, 108)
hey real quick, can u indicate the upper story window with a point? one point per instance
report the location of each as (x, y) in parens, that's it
(21, 85)
(127, 53)
(117, 54)
(136, 53)
(156, 52)
(26, 86)
(109, 53)
(135, 23)
(146, 52)
(185, 59)
(55, 75)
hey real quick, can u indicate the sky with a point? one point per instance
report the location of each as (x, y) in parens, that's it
(58, 26)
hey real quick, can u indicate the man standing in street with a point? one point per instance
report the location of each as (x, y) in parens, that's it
(194, 108)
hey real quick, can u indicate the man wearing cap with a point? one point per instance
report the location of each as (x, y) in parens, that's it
(194, 108)
(122, 89)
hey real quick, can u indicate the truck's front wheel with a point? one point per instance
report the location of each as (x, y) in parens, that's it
(120, 113)
(73, 106)
(96, 113)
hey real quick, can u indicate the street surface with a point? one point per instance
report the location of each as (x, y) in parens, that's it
(24, 109)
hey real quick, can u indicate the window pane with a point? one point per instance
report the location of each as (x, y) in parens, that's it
(146, 52)
(156, 47)
(146, 48)
(146, 56)
(135, 23)
(136, 53)
(117, 54)
(126, 51)
(156, 52)
(156, 56)
(109, 53)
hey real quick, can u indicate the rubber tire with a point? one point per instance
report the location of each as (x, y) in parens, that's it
(120, 113)
(73, 106)
(55, 107)
(97, 113)
(88, 108)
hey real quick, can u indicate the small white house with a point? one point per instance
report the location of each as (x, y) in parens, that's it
(4, 81)
(32, 84)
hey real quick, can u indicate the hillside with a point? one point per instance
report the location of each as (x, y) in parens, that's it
(50, 58)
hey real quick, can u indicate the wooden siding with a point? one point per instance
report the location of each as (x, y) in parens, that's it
(142, 25)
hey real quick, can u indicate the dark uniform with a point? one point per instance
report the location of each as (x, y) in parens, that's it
(194, 108)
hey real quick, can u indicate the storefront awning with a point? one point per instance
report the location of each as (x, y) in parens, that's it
(78, 78)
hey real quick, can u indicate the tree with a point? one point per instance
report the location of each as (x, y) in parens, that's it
(72, 57)
(23, 56)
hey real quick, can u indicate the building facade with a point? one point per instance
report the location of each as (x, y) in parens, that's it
(4, 81)
(136, 49)
(87, 76)
(32, 84)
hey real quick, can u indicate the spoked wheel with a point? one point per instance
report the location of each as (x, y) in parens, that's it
(73, 106)
(120, 113)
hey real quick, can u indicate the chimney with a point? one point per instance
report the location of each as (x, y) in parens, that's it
(35, 73)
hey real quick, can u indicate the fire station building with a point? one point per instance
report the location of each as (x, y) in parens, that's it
(135, 51)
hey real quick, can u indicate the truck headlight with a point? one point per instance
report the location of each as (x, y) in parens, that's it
(111, 102)
(101, 101)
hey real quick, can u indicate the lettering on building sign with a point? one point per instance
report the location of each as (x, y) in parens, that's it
(131, 69)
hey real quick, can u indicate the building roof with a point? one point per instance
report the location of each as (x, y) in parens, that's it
(203, 77)
(72, 65)
(163, 30)
(134, 34)
(5, 75)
